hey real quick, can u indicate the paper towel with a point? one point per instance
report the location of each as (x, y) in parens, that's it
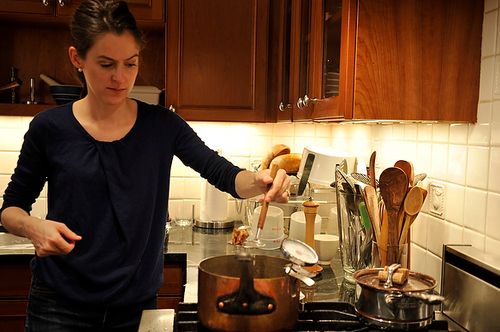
(213, 205)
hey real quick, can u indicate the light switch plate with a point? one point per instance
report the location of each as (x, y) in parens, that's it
(437, 201)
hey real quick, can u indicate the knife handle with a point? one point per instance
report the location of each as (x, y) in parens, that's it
(265, 205)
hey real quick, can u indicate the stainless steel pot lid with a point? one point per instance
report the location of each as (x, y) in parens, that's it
(417, 282)
(299, 252)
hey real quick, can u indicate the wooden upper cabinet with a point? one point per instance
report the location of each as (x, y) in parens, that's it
(143, 10)
(217, 59)
(407, 60)
(44, 10)
(35, 7)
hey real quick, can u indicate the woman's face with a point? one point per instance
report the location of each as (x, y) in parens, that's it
(111, 67)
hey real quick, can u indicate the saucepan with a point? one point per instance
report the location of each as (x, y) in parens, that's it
(244, 292)
(392, 306)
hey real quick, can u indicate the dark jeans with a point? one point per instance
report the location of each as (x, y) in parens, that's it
(48, 312)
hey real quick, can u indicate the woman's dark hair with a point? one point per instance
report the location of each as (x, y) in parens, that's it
(95, 17)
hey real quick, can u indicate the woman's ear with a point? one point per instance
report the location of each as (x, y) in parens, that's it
(74, 58)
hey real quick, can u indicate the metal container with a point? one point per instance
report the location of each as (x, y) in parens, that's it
(471, 285)
(399, 307)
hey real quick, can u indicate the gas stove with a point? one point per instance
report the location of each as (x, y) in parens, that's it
(315, 316)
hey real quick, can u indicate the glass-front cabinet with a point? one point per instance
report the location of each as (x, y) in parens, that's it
(380, 60)
(313, 65)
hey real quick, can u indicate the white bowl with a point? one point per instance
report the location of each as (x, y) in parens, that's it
(326, 246)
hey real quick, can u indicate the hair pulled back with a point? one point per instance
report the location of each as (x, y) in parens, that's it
(95, 17)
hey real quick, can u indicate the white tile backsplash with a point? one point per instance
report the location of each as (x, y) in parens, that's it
(439, 165)
(493, 216)
(494, 166)
(486, 79)
(455, 196)
(458, 133)
(465, 158)
(475, 209)
(489, 33)
(457, 159)
(435, 235)
(477, 166)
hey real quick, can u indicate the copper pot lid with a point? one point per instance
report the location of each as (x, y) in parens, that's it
(417, 282)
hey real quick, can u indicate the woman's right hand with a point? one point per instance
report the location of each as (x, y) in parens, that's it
(53, 238)
(49, 237)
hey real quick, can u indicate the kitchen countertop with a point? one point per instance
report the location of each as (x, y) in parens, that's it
(199, 244)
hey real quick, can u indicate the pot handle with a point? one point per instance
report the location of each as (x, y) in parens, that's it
(432, 299)
(246, 300)
(305, 279)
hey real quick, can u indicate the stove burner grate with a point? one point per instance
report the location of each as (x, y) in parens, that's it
(315, 316)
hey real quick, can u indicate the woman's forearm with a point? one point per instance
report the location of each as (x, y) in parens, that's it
(17, 221)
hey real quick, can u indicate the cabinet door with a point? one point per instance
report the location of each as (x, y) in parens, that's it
(217, 59)
(333, 70)
(320, 79)
(147, 10)
(27, 7)
(418, 60)
(404, 60)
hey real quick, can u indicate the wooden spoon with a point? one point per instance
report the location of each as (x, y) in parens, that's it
(393, 184)
(407, 167)
(371, 201)
(371, 170)
(413, 203)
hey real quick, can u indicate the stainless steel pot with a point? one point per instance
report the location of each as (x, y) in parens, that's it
(247, 293)
(399, 307)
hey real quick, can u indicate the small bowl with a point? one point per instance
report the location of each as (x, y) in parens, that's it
(326, 246)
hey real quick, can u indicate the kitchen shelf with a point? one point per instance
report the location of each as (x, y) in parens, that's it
(23, 109)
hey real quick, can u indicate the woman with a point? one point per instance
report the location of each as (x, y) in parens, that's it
(107, 161)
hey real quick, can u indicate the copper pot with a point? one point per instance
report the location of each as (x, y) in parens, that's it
(247, 293)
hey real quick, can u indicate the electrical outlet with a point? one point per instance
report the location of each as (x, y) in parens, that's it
(437, 201)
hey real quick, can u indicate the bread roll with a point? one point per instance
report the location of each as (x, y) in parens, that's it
(289, 162)
(276, 150)
(280, 149)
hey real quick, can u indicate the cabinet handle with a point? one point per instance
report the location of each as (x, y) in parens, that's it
(300, 103)
(61, 3)
(45, 2)
(171, 108)
(282, 107)
(308, 100)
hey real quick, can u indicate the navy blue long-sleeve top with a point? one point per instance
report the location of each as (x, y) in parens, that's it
(113, 194)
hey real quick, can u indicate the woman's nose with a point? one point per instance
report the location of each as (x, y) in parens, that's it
(119, 75)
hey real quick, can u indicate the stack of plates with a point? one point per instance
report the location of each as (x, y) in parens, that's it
(331, 83)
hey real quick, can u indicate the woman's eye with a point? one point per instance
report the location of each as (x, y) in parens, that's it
(106, 65)
(131, 64)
